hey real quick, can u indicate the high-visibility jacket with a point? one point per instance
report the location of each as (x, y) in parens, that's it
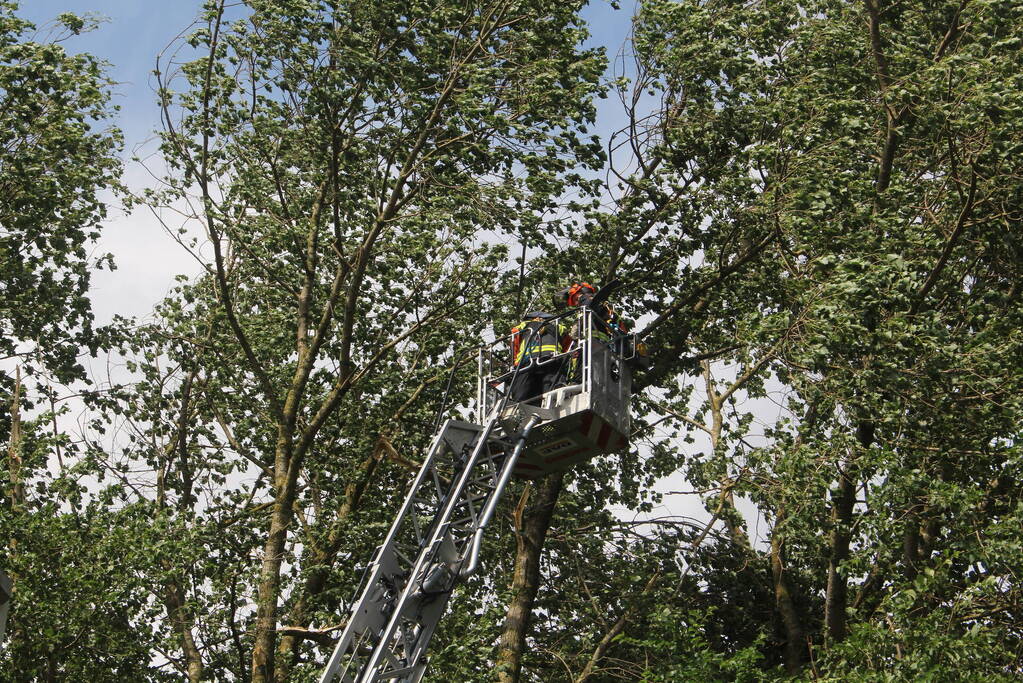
(538, 336)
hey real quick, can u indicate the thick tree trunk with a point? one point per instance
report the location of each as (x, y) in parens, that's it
(322, 558)
(794, 638)
(270, 585)
(174, 597)
(531, 534)
(732, 517)
(911, 546)
(841, 519)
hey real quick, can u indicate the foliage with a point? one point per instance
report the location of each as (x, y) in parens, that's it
(814, 216)
(80, 608)
(56, 161)
(677, 636)
(343, 162)
(76, 609)
(875, 144)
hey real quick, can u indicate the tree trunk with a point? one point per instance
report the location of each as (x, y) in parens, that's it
(270, 583)
(841, 534)
(732, 517)
(174, 599)
(837, 597)
(794, 637)
(531, 532)
(911, 545)
(322, 558)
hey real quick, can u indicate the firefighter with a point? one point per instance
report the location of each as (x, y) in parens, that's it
(607, 325)
(535, 342)
(606, 322)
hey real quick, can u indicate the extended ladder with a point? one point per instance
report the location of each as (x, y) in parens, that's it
(433, 542)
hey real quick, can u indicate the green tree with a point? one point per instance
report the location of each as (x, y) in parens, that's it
(877, 141)
(820, 204)
(815, 211)
(344, 161)
(57, 157)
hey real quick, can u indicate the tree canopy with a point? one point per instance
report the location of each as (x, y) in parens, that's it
(813, 209)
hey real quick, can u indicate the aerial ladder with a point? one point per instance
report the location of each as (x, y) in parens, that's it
(435, 539)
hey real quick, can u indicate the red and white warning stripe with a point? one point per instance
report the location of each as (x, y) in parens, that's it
(594, 434)
(592, 430)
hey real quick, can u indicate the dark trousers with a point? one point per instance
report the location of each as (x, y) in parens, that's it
(534, 380)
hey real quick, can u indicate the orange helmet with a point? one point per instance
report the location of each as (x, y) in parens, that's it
(570, 296)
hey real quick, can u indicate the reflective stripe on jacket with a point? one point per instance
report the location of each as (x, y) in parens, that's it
(544, 337)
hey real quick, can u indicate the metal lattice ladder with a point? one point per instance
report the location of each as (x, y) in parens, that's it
(432, 544)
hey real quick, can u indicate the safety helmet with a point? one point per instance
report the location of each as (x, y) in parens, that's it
(571, 296)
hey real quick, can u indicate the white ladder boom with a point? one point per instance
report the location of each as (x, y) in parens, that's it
(432, 544)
